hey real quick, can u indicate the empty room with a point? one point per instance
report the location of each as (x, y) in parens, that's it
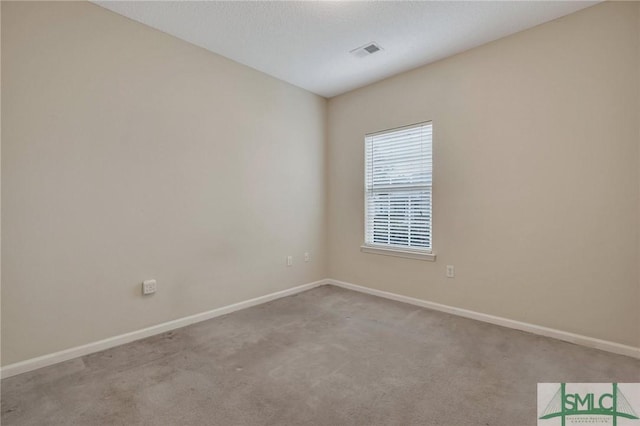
(320, 213)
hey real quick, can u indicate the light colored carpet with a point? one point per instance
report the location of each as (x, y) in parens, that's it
(324, 357)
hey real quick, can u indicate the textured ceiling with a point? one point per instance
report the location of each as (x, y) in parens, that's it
(307, 43)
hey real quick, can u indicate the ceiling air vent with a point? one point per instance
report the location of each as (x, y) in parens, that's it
(366, 50)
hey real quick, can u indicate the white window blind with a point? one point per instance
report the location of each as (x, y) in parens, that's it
(398, 170)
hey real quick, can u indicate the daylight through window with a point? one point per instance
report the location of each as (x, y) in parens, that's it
(398, 178)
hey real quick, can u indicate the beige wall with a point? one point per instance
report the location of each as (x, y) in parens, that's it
(129, 154)
(638, 100)
(536, 186)
(1, 190)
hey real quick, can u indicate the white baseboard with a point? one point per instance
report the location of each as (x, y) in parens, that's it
(577, 339)
(78, 351)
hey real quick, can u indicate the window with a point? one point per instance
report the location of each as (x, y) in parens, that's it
(398, 170)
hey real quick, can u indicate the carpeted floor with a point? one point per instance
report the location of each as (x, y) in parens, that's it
(324, 357)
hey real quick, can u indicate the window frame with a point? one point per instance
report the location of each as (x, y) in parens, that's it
(389, 249)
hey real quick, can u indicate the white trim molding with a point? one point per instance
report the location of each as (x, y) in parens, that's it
(591, 342)
(409, 254)
(78, 351)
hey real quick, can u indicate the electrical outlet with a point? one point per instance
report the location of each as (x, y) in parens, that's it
(307, 257)
(149, 287)
(289, 260)
(450, 271)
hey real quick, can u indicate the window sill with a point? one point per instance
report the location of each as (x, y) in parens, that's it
(409, 254)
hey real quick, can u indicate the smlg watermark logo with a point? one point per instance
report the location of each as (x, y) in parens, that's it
(612, 404)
